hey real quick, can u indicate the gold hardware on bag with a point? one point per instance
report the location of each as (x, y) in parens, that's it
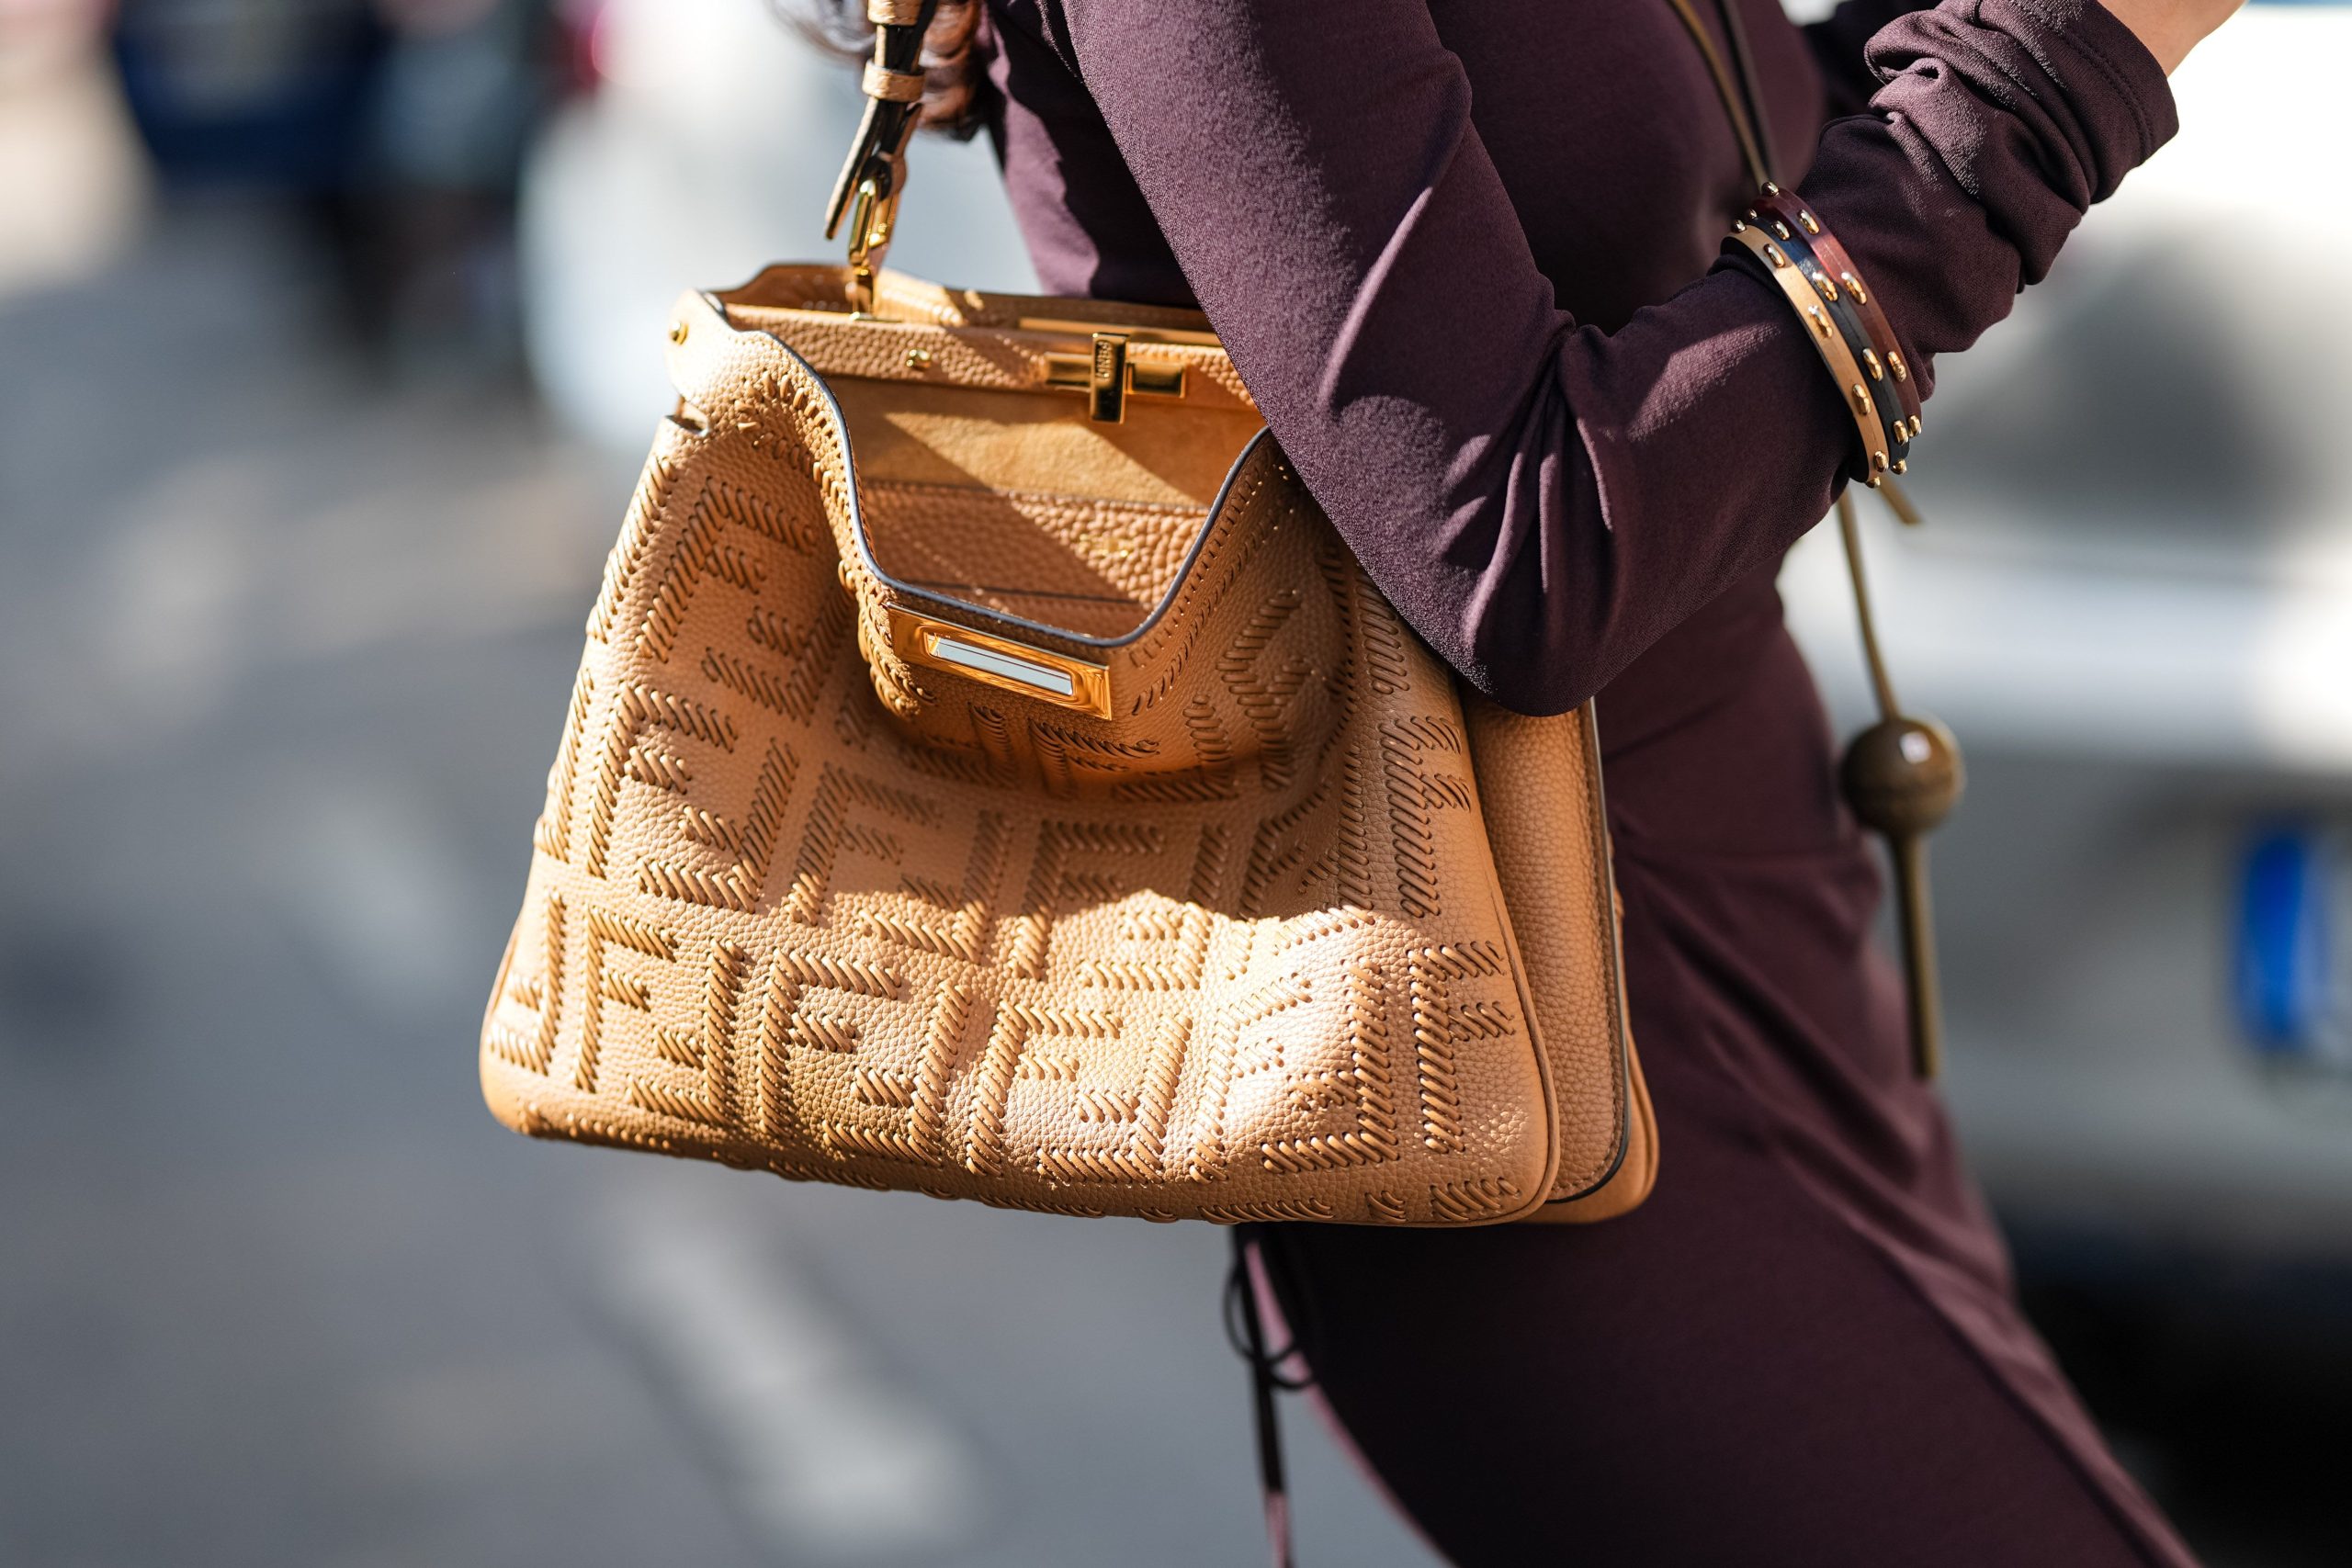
(1000, 662)
(871, 218)
(1106, 381)
(1108, 374)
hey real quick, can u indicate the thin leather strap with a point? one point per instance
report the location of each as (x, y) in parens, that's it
(1736, 93)
(1245, 1326)
(1743, 102)
(893, 83)
(1849, 530)
(1759, 124)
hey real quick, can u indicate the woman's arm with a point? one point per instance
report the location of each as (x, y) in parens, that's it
(1540, 500)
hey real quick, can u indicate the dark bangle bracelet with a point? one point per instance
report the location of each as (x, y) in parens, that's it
(1828, 342)
(1838, 304)
(1798, 241)
(1831, 253)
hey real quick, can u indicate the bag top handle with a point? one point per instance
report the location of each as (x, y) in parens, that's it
(871, 181)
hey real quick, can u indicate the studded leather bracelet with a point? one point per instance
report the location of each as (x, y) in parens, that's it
(1798, 254)
(1828, 342)
(1839, 302)
(1781, 208)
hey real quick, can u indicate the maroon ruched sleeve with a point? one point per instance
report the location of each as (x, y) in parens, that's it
(1540, 498)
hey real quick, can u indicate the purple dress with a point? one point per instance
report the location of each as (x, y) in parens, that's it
(1465, 253)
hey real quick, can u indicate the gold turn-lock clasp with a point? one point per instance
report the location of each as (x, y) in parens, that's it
(1106, 379)
(1109, 374)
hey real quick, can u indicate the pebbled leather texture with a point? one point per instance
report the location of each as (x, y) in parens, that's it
(1240, 951)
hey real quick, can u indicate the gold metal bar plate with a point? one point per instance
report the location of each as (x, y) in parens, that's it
(1009, 666)
(1075, 372)
(1106, 382)
(1108, 374)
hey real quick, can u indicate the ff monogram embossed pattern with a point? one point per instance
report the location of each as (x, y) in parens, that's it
(1243, 950)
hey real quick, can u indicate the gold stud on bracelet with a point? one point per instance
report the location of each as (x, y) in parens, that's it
(1812, 224)
(1871, 363)
(1828, 289)
(1774, 255)
(1900, 466)
(1854, 286)
(1895, 363)
(1782, 230)
(1738, 226)
(1820, 322)
(1772, 189)
(1862, 404)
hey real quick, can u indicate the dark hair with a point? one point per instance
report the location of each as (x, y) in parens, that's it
(955, 97)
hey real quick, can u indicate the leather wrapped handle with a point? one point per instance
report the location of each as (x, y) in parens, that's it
(893, 85)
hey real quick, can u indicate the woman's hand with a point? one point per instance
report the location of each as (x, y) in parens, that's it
(2172, 28)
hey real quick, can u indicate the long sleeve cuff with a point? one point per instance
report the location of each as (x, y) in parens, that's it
(1998, 125)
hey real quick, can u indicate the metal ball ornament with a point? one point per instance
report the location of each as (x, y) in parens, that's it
(1903, 776)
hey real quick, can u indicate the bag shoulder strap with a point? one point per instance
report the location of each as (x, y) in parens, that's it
(1735, 83)
(1885, 777)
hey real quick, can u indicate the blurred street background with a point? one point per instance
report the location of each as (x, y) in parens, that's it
(330, 341)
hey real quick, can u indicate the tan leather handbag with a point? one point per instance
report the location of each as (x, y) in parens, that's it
(990, 774)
